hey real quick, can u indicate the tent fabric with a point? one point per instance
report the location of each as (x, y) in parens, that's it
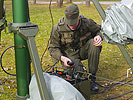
(58, 88)
(128, 3)
(118, 24)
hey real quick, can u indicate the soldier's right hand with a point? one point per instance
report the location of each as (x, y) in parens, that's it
(65, 60)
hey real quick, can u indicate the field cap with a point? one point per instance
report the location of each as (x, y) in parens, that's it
(71, 14)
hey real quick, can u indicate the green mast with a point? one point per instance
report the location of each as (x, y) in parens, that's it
(21, 15)
(25, 47)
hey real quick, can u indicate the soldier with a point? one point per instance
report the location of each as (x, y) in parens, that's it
(76, 38)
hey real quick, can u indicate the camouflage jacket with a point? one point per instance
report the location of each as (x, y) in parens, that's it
(65, 42)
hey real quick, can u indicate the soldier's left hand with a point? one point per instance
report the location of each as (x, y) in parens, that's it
(97, 40)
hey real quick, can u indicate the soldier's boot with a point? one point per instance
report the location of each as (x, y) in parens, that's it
(94, 87)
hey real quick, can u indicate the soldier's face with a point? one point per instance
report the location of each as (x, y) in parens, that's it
(73, 27)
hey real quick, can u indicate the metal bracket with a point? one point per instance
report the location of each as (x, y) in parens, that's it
(28, 29)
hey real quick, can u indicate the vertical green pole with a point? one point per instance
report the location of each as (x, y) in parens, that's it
(21, 15)
(1, 8)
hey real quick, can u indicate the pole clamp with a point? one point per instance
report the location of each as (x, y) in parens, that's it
(26, 30)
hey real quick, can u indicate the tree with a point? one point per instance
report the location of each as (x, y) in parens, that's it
(59, 3)
(34, 1)
(87, 2)
(70, 1)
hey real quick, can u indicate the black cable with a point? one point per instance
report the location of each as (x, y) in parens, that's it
(118, 95)
(44, 52)
(50, 67)
(113, 85)
(1, 61)
(120, 82)
(130, 97)
(109, 87)
(51, 13)
(51, 29)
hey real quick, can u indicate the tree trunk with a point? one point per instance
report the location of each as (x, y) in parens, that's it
(87, 2)
(59, 3)
(70, 1)
(34, 1)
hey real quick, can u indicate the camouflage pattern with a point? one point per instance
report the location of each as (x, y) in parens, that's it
(76, 44)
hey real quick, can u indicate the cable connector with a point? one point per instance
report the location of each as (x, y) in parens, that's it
(89, 75)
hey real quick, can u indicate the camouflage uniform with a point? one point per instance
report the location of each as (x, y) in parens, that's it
(76, 44)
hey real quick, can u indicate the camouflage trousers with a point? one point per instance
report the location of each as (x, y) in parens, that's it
(86, 52)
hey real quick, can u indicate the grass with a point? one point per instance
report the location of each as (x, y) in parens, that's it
(112, 63)
(68, 0)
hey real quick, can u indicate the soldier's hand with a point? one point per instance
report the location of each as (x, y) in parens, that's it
(66, 60)
(97, 40)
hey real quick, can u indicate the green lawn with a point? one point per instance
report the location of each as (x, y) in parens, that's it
(67, 0)
(112, 63)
